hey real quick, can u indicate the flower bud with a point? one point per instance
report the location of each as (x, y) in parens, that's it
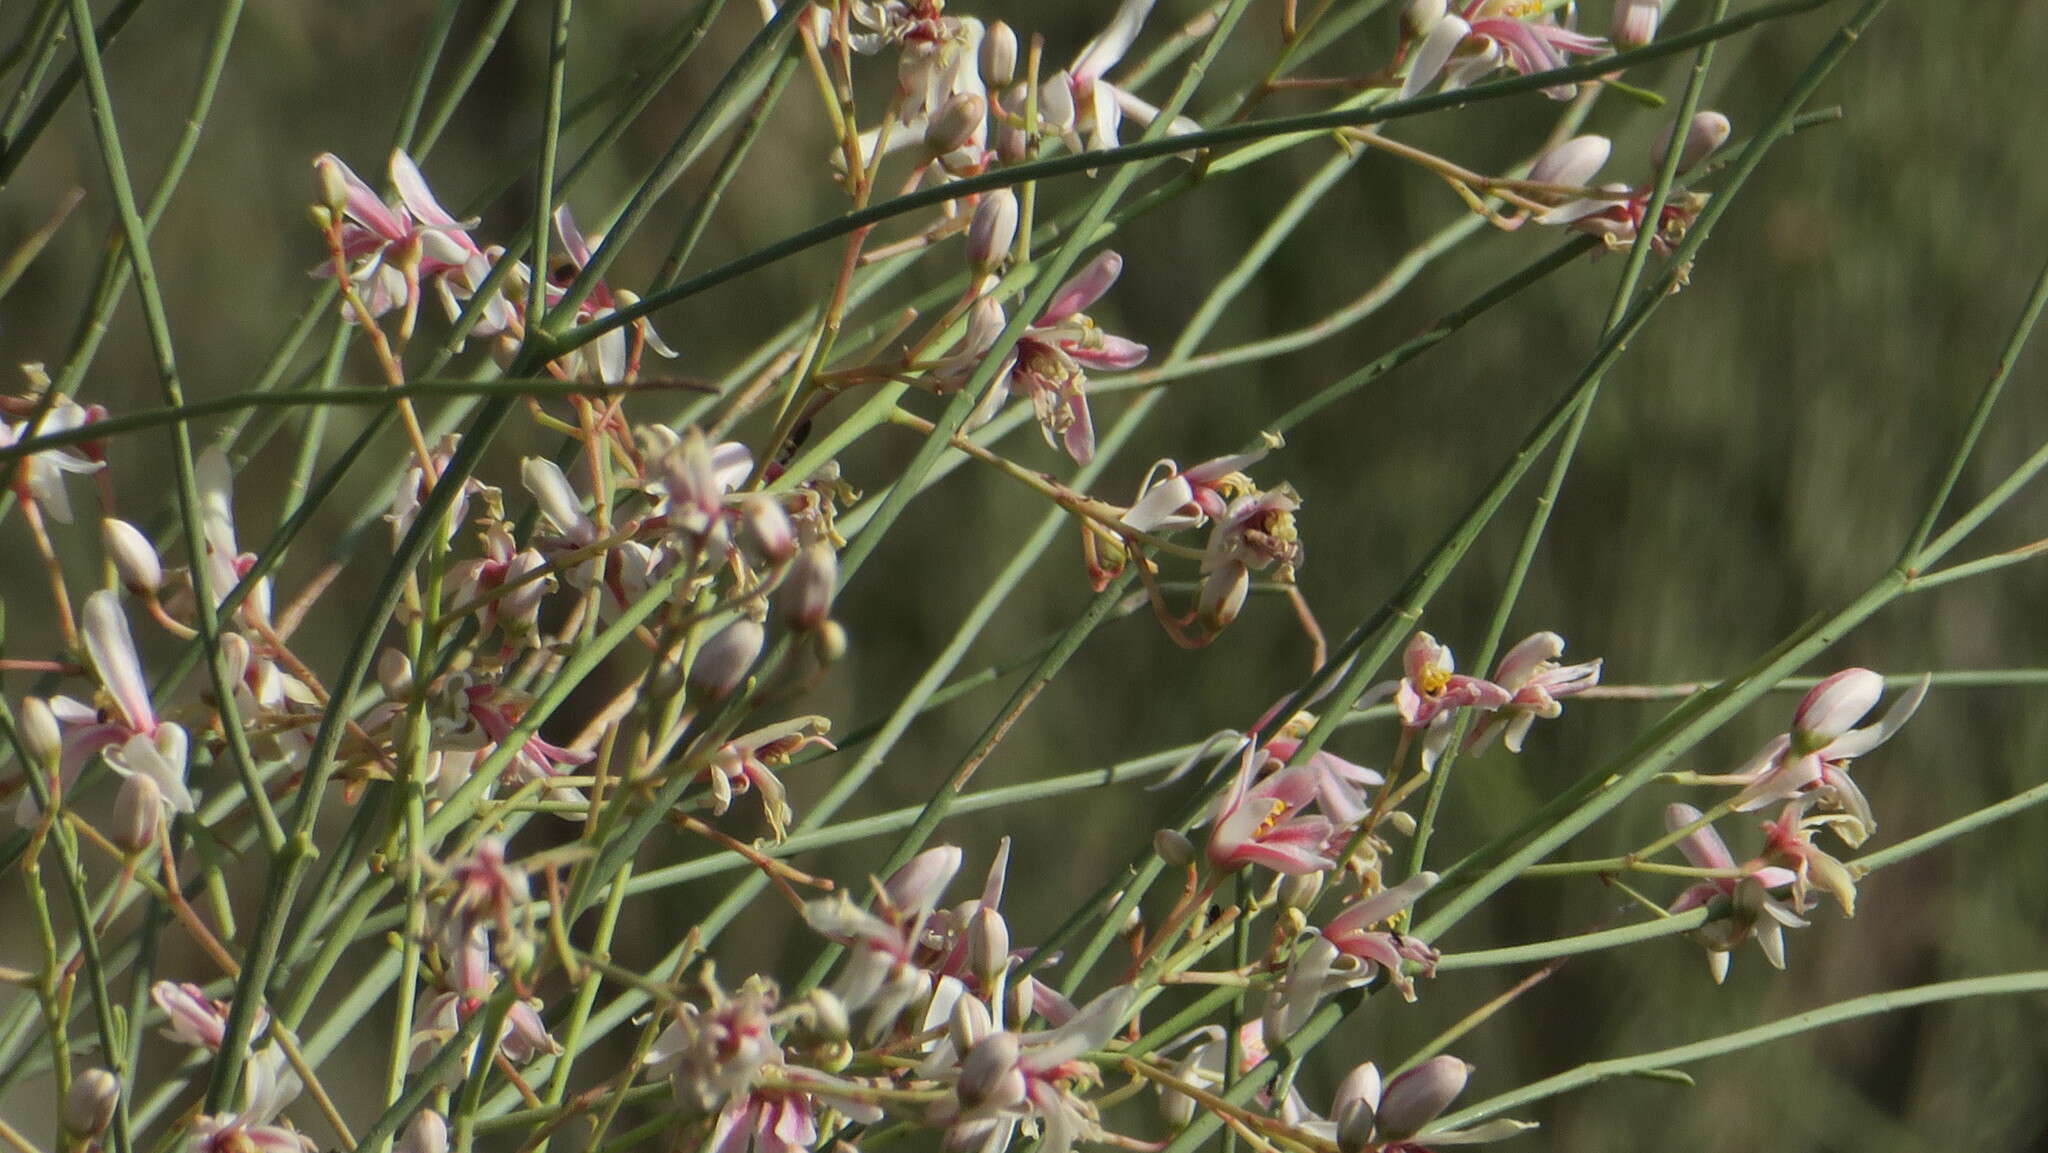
(40, 734)
(993, 229)
(1023, 998)
(1572, 163)
(988, 945)
(89, 1106)
(1416, 1097)
(968, 1023)
(1419, 17)
(768, 527)
(724, 660)
(1833, 706)
(1222, 597)
(1355, 1108)
(425, 1133)
(1354, 1121)
(923, 879)
(1173, 848)
(1300, 890)
(956, 123)
(999, 55)
(1706, 134)
(831, 641)
(827, 1014)
(807, 592)
(989, 1077)
(138, 811)
(133, 556)
(329, 179)
(394, 674)
(1635, 22)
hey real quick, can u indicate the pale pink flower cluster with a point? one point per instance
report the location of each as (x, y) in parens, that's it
(1806, 772)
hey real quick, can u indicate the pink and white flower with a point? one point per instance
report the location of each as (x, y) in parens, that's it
(1813, 759)
(1078, 102)
(1531, 674)
(1353, 933)
(392, 250)
(1259, 824)
(1463, 46)
(39, 477)
(1753, 912)
(1050, 362)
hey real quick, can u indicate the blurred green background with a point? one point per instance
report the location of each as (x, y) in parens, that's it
(1757, 457)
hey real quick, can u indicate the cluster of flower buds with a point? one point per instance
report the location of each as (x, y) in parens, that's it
(960, 102)
(1805, 771)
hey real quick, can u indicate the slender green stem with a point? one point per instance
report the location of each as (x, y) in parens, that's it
(1980, 416)
(2010, 984)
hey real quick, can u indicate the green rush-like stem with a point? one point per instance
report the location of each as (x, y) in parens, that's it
(755, 61)
(1567, 449)
(685, 243)
(135, 234)
(1942, 834)
(433, 46)
(20, 137)
(544, 179)
(2004, 985)
(1577, 944)
(1980, 416)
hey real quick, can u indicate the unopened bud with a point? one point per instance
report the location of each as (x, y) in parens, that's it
(1573, 163)
(993, 229)
(1301, 890)
(1706, 134)
(1354, 1120)
(1416, 1097)
(1173, 848)
(999, 55)
(1635, 22)
(1222, 597)
(806, 598)
(968, 1023)
(332, 184)
(1419, 17)
(138, 811)
(923, 879)
(89, 1106)
(724, 660)
(956, 123)
(830, 639)
(1023, 999)
(40, 734)
(988, 944)
(133, 556)
(768, 527)
(394, 674)
(427, 1132)
(827, 1014)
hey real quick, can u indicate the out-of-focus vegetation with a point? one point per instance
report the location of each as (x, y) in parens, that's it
(1758, 455)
